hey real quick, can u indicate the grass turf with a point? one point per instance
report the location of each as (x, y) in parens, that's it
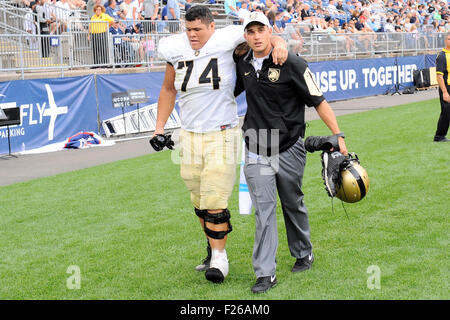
(131, 230)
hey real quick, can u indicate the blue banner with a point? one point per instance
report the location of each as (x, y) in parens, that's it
(430, 60)
(112, 83)
(51, 110)
(347, 79)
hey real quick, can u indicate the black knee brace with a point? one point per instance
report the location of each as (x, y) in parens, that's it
(218, 218)
(200, 213)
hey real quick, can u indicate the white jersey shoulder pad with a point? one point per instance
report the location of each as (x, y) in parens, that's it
(171, 48)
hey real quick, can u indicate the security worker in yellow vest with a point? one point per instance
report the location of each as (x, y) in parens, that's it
(98, 35)
(442, 71)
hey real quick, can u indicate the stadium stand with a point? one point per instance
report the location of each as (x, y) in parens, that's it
(315, 29)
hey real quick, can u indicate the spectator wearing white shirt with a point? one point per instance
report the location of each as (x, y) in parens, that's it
(332, 8)
(49, 10)
(388, 26)
(30, 26)
(62, 12)
(65, 6)
(124, 6)
(134, 12)
(243, 11)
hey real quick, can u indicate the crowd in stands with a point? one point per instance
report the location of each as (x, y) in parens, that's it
(354, 23)
(367, 15)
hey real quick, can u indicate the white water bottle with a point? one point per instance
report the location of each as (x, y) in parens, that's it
(23, 147)
(245, 202)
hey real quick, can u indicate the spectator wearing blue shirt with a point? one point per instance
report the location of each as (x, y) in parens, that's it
(134, 40)
(161, 24)
(279, 24)
(173, 14)
(113, 10)
(231, 8)
(187, 5)
(348, 7)
(164, 15)
(115, 28)
(120, 45)
(372, 24)
(173, 10)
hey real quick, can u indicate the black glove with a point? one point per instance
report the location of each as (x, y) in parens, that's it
(160, 141)
(324, 143)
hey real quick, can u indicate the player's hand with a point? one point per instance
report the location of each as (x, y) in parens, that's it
(158, 131)
(279, 54)
(159, 141)
(446, 97)
(342, 146)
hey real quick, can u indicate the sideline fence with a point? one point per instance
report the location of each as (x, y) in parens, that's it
(90, 45)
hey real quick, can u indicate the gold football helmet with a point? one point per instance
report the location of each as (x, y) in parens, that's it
(354, 183)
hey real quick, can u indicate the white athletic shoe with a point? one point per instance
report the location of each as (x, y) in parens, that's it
(218, 267)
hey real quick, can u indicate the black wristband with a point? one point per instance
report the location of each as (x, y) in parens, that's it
(340, 134)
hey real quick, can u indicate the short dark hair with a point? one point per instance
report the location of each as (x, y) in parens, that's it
(199, 12)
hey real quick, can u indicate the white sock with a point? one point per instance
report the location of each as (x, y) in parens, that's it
(219, 260)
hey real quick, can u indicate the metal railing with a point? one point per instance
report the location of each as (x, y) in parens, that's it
(316, 45)
(91, 45)
(13, 20)
(62, 18)
(78, 50)
(321, 45)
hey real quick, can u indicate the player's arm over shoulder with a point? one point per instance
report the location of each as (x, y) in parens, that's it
(233, 33)
(240, 51)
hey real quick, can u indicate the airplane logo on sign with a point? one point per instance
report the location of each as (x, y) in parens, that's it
(53, 112)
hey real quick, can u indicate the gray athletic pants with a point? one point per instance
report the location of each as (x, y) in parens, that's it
(266, 175)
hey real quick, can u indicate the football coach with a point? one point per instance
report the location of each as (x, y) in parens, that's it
(273, 130)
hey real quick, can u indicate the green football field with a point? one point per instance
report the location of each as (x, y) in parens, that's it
(127, 230)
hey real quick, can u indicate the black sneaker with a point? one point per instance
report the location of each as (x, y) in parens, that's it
(440, 139)
(330, 170)
(264, 283)
(214, 275)
(205, 264)
(304, 263)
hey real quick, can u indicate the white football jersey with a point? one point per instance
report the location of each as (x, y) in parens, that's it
(205, 78)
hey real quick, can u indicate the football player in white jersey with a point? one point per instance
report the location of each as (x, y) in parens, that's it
(201, 69)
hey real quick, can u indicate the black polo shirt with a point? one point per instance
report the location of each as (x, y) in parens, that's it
(442, 65)
(275, 101)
